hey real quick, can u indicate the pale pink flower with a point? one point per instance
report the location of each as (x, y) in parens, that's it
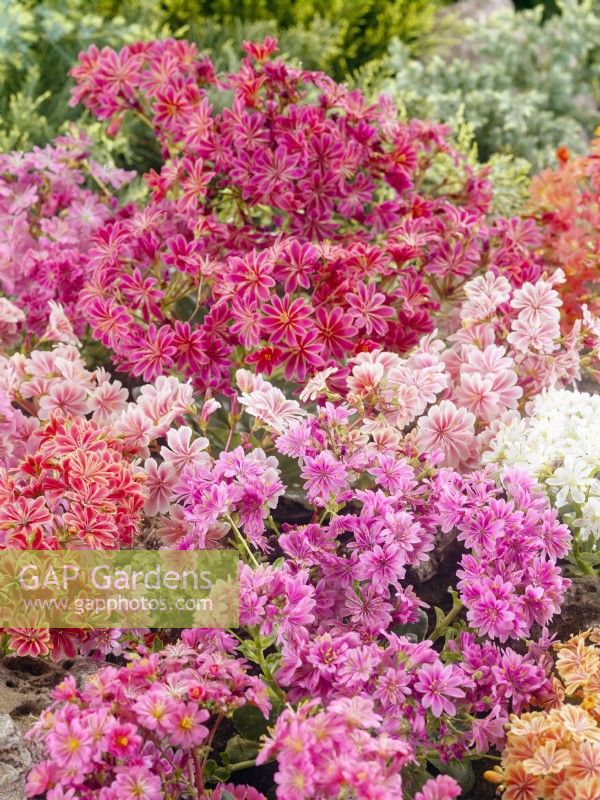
(449, 429)
(272, 408)
(387, 360)
(493, 363)
(406, 404)
(10, 313)
(476, 393)
(316, 385)
(63, 396)
(249, 382)
(181, 450)
(107, 400)
(59, 328)
(135, 428)
(484, 294)
(159, 484)
(10, 317)
(427, 374)
(538, 335)
(209, 408)
(365, 378)
(537, 302)
(165, 400)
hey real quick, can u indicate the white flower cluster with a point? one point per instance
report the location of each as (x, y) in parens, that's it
(558, 442)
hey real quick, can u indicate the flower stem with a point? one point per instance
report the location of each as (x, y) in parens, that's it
(242, 541)
(441, 628)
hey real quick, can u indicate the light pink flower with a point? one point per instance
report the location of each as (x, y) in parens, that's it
(484, 294)
(64, 396)
(159, 484)
(181, 450)
(537, 302)
(272, 408)
(449, 429)
(537, 333)
(59, 328)
(477, 394)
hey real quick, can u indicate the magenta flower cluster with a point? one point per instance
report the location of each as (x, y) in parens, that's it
(289, 229)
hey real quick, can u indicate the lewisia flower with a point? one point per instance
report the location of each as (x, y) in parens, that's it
(342, 749)
(48, 216)
(293, 274)
(101, 740)
(555, 754)
(564, 203)
(437, 686)
(558, 442)
(448, 429)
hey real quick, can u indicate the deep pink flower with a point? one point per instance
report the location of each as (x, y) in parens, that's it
(154, 352)
(439, 687)
(184, 725)
(325, 477)
(286, 320)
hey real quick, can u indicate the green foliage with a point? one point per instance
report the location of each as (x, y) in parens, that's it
(525, 85)
(334, 35)
(39, 43)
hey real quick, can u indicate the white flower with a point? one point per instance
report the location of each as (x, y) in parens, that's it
(558, 442)
(571, 479)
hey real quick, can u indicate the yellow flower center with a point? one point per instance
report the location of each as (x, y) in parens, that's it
(73, 744)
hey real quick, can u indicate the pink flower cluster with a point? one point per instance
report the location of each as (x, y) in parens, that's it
(343, 751)
(286, 229)
(294, 231)
(47, 218)
(136, 732)
(509, 581)
(69, 443)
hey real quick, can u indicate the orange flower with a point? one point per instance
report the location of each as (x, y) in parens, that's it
(586, 761)
(548, 758)
(577, 722)
(520, 785)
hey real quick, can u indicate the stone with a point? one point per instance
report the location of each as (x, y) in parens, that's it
(580, 609)
(15, 760)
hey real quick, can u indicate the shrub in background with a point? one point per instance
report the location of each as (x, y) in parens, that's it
(363, 28)
(526, 85)
(39, 42)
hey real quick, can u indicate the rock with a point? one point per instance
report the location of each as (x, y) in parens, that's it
(581, 608)
(15, 760)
